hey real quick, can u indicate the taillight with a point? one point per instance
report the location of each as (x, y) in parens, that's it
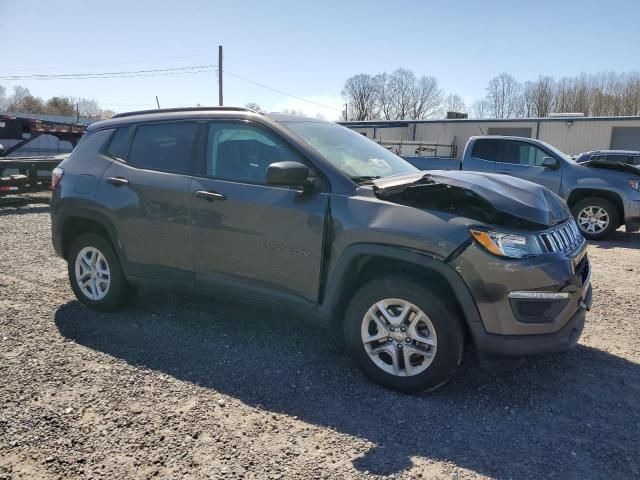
(56, 176)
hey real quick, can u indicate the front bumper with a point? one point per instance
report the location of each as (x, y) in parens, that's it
(512, 326)
(632, 215)
(492, 345)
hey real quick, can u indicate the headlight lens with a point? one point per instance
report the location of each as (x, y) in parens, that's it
(508, 245)
(635, 184)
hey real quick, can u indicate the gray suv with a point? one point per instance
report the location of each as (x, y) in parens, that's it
(317, 219)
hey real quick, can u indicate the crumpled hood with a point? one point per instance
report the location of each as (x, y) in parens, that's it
(512, 196)
(612, 165)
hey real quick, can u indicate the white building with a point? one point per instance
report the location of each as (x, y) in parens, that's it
(447, 138)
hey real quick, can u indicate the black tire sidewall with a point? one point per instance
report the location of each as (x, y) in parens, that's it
(116, 296)
(445, 321)
(612, 211)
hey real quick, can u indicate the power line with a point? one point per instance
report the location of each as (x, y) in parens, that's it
(130, 73)
(110, 64)
(281, 92)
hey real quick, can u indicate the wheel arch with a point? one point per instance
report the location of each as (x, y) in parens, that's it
(361, 262)
(581, 193)
(78, 221)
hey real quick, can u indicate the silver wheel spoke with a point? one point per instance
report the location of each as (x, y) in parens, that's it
(395, 320)
(391, 350)
(415, 334)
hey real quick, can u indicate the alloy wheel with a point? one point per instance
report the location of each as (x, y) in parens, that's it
(399, 337)
(93, 275)
(593, 219)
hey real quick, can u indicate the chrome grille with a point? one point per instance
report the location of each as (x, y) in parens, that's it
(564, 239)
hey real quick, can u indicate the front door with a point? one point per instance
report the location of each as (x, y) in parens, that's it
(247, 235)
(524, 160)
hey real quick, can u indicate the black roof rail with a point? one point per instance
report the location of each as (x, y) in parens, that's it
(185, 109)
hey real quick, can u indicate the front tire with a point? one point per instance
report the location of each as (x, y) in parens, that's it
(402, 336)
(597, 218)
(95, 273)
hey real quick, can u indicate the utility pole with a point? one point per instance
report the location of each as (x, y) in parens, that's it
(157, 102)
(77, 112)
(346, 110)
(220, 102)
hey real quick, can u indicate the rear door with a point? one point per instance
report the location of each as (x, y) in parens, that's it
(250, 237)
(146, 190)
(524, 160)
(484, 155)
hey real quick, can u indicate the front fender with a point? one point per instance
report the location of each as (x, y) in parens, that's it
(339, 276)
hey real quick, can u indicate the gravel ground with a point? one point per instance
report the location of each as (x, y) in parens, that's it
(182, 386)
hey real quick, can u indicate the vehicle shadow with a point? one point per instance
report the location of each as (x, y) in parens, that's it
(618, 239)
(500, 425)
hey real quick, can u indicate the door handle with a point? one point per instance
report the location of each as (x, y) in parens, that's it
(117, 181)
(210, 196)
(504, 172)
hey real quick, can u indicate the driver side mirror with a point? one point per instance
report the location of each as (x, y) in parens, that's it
(287, 174)
(2, 149)
(550, 162)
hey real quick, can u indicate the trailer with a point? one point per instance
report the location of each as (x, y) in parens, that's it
(23, 174)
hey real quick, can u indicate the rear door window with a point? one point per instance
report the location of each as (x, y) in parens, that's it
(487, 149)
(164, 146)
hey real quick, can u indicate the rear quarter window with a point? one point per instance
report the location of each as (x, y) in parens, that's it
(118, 145)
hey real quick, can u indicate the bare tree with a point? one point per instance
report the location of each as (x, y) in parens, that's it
(21, 101)
(539, 97)
(60, 106)
(504, 95)
(88, 107)
(384, 97)
(427, 98)
(402, 84)
(480, 109)
(253, 106)
(3, 98)
(631, 102)
(106, 114)
(360, 92)
(455, 103)
(295, 113)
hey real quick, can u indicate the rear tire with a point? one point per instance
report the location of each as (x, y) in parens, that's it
(430, 337)
(95, 274)
(597, 218)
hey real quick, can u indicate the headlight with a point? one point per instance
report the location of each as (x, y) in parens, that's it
(508, 245)
(635, 184)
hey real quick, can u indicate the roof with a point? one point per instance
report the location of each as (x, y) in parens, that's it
(194, 112)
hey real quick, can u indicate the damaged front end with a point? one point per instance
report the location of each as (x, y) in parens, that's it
(612, 165)
(491, 199)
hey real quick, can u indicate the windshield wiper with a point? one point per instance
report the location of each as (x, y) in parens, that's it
(364, 179)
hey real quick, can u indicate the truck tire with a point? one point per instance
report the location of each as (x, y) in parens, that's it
(402, 336)
(597, 217)
(95, 273)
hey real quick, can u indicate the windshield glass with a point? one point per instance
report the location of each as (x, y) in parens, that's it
(557, 152)
(351, 152)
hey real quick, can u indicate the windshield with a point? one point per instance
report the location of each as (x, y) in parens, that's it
(557, 152)
(351, 152)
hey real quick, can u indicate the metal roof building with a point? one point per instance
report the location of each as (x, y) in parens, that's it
(447, 138)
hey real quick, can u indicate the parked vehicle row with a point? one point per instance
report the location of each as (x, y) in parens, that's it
(317, 219)
(602, 195)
